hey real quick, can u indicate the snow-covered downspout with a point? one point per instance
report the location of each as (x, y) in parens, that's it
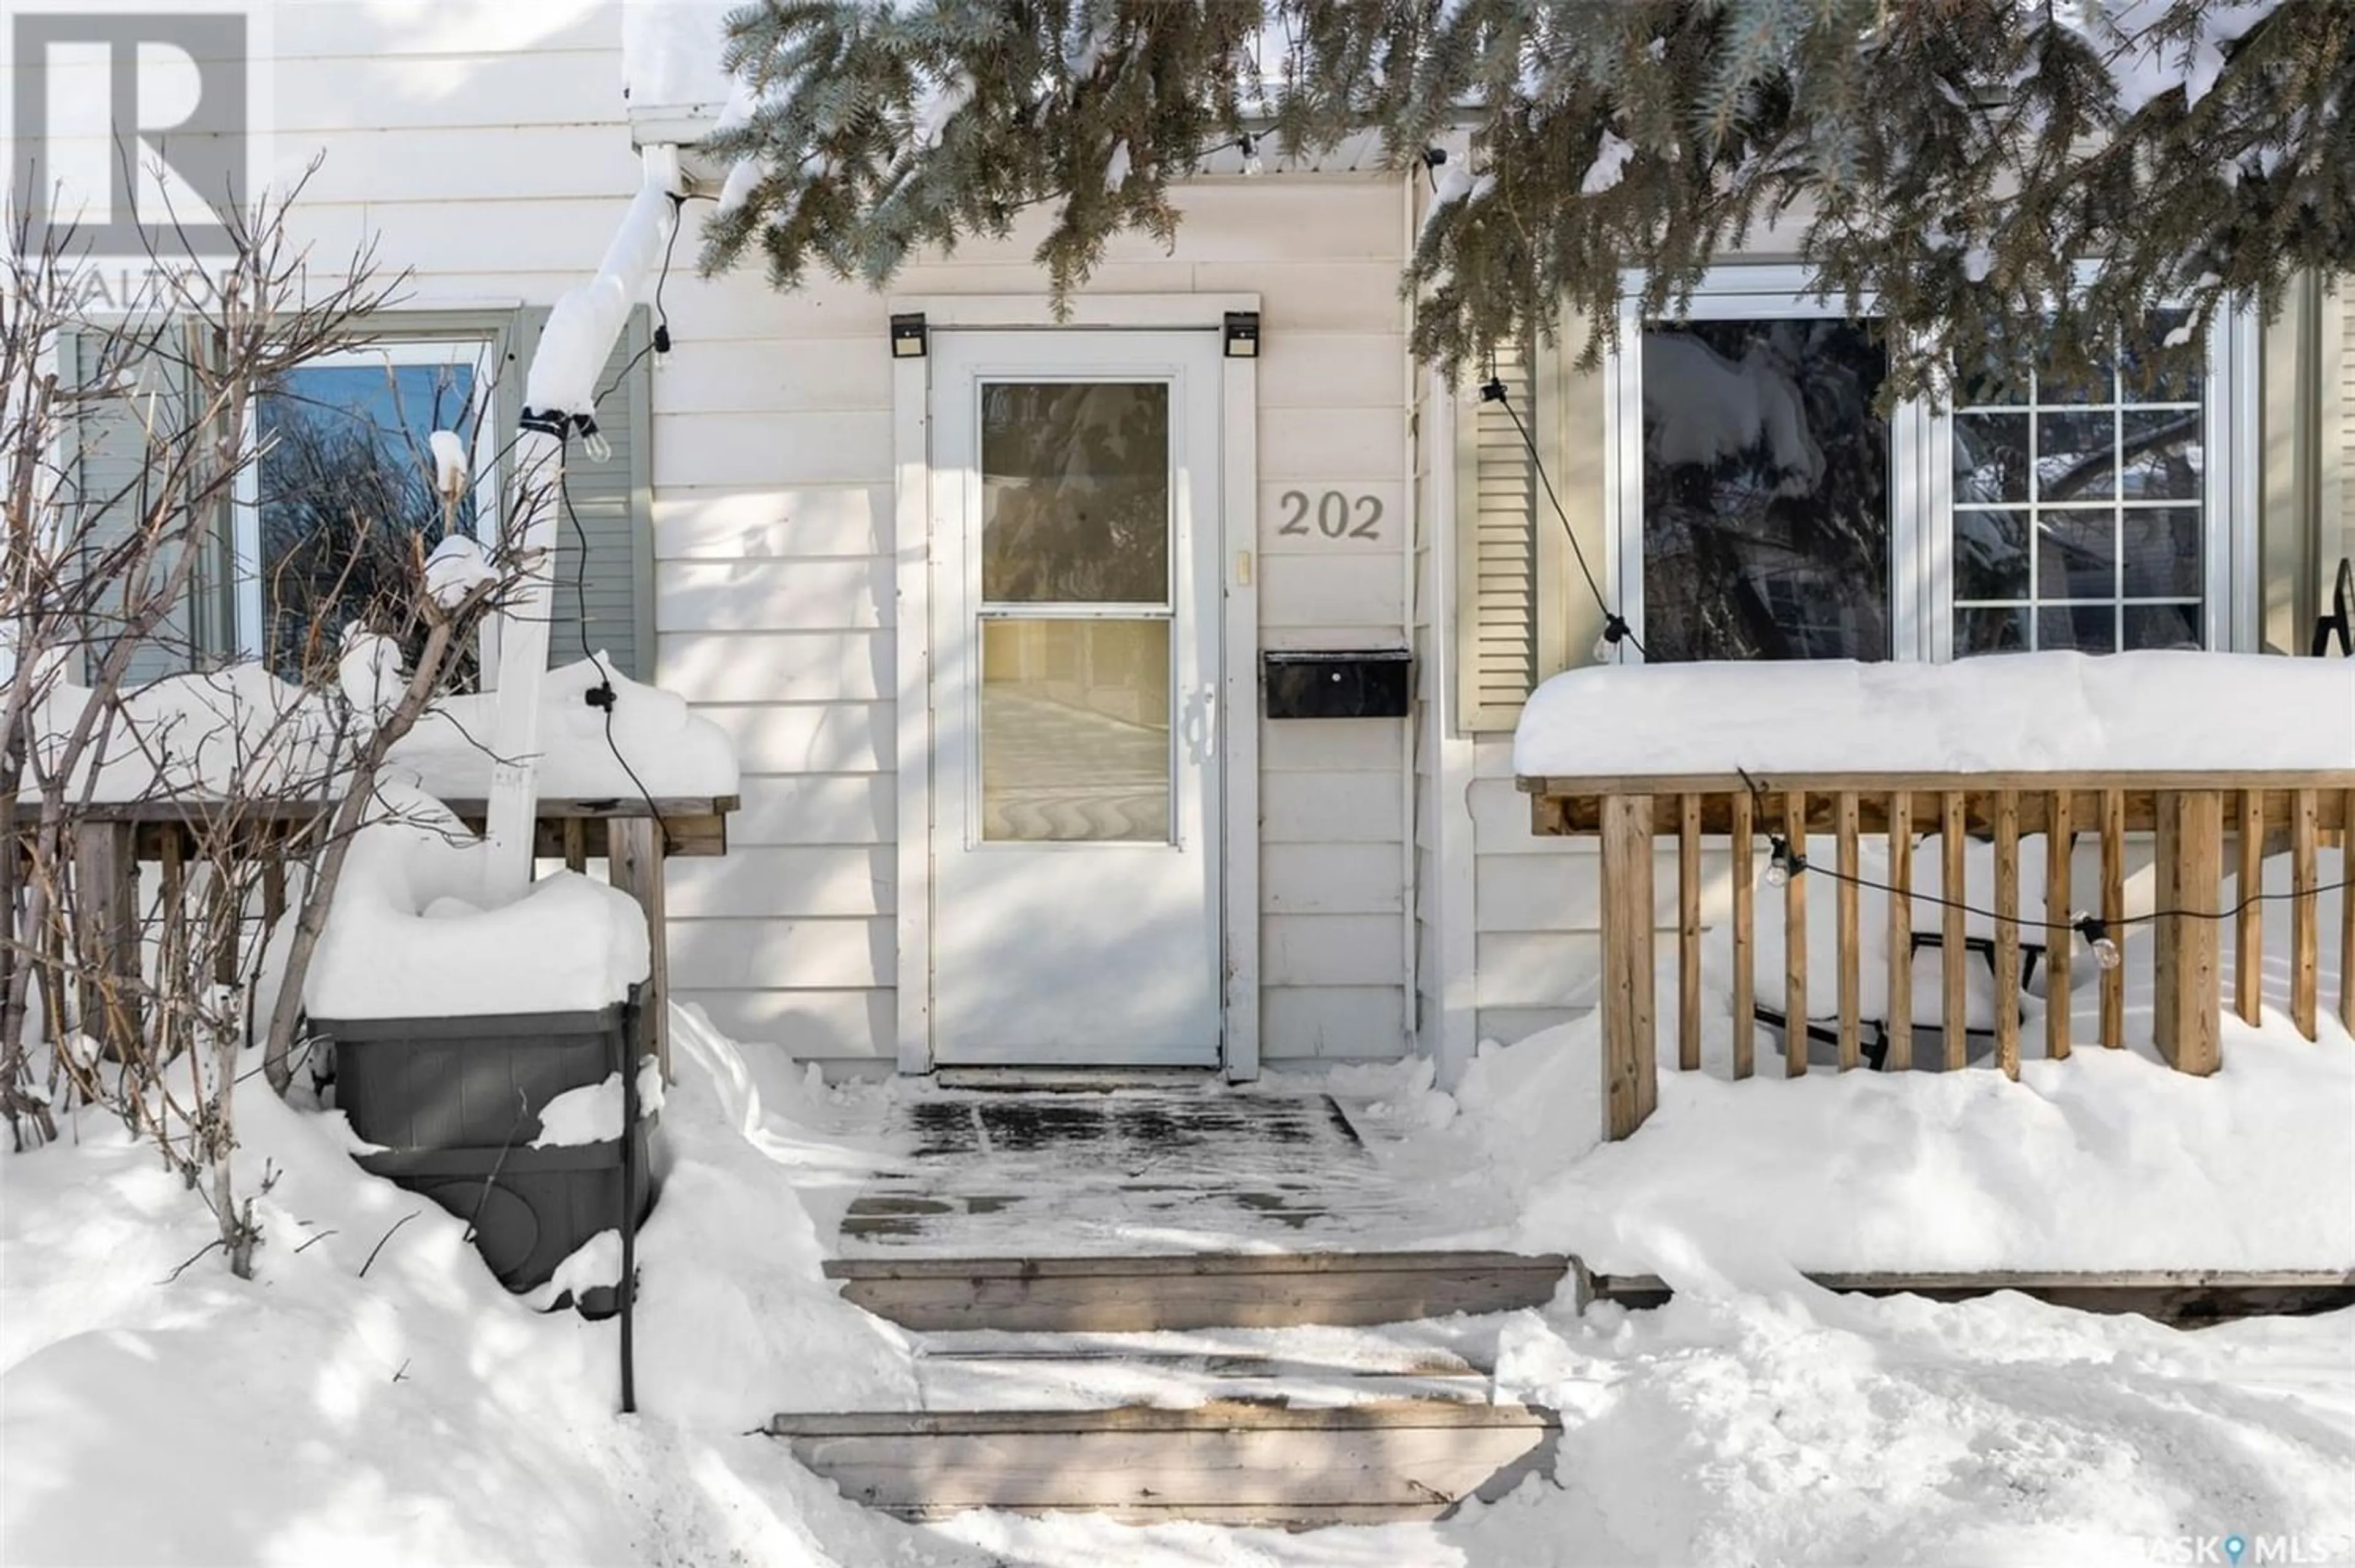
(559, 397)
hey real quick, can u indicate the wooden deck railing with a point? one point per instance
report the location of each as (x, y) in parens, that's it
(2187, 815)
(636, 835)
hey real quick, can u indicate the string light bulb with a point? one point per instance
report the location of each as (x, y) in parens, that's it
(1606, 646)
(2096, 932)
(1782, 862)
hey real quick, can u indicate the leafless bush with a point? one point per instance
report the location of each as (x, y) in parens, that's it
(155, 833)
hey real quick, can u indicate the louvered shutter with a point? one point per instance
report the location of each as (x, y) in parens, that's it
(2345, 456)
(612, 581)
(1523, 610)
(1497, 580)
(111, 471)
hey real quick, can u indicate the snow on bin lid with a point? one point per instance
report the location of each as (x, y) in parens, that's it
(2045, 712)
(405, 939)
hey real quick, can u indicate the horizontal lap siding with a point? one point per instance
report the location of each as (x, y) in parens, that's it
(482, 149)
(775, 602)
(1538, 945)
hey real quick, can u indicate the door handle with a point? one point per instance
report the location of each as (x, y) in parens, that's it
(1200, 725)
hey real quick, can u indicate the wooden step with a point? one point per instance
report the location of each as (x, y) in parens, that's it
(1232, 1463)
(2182, 1296)
(1208, 1290)
(1100, 1372)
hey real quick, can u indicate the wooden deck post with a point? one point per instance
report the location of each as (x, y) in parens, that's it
(1630, 1053)
(2187, 1014)
(634, 848)
(106, 896)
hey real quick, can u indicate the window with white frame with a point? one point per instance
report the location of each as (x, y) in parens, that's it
(343, 490)
(1762, 506)
(2079, 511)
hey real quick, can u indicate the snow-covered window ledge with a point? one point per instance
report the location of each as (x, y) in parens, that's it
(2094, 520)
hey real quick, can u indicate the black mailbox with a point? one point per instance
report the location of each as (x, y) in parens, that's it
(1349, 685)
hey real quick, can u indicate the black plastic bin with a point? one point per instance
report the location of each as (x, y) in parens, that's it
(456, 1103)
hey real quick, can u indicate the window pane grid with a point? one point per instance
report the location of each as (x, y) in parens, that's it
(2036, 480)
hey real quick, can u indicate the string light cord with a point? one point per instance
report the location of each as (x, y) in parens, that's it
(1783, 862)
(603, 694)
(660, 343)
(1615, 626)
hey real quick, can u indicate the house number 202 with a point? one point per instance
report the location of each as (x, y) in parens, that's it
(1332, 513)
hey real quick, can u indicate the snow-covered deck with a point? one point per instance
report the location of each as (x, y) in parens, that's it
(1849, 770)
(636, 836)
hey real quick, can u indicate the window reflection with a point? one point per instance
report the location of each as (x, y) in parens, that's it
(1765, 491)
(1075, 492)
(2106, 473)
(345, 493)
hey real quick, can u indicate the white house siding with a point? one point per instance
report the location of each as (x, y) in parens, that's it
(775, 613)
(483, 148)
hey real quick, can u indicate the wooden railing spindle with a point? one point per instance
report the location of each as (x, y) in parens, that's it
(1745, 993)
(2249, 924)
(2060, 832)
(1688, 933)
(2347, 911)
(2113, 914)
(1852, 1010)
(1955, 1013)
(1900, 933)
(1794, 941)
(2305, 912)
(2007, 932)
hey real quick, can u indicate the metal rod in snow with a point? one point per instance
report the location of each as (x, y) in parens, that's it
(560, 396)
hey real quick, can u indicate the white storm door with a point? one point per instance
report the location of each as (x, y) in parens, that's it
(1075, 678)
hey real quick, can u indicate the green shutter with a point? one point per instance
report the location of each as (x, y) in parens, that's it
(613, 500)
(110, 472)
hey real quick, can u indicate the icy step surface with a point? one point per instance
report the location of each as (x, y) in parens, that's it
(1137, 1171)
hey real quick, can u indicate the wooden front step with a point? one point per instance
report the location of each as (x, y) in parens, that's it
(1233, 1462)
(996, 1371)
(1211, 1290)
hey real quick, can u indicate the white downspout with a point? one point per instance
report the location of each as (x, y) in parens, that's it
(1410, 467)
(560, 395)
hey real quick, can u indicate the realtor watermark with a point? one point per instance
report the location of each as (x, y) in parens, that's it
(2252, 1549)
(133, 138)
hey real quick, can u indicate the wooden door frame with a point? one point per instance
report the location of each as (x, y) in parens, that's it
(916, 516)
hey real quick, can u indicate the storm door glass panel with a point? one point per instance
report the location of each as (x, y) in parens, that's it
(2078, 513)
(1766, 490)
(1076, 615)
(1075, 731)
(344, 495)
(1075, 493)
